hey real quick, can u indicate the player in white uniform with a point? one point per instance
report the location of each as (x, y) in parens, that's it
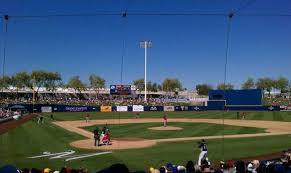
(203, 149)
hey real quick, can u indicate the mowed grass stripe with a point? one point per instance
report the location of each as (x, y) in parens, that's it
(259, 115)
(31, 133)
(277, 116)
(254, 116)
(189, 130)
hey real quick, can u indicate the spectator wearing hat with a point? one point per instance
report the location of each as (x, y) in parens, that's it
(190, 167)
(250, 168)
(74, 171)
(162, 170)
(120, 168)
(25, 170)
(8, 169)
(222, 167)
(64, 170)
(181, 169)
(240, 167)
(34, 170)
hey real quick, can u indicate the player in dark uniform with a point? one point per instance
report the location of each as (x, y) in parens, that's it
(52, 117)
(96, 136)
(105, 129)
(203, 151)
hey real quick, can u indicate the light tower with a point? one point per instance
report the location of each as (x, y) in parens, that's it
(145, 45)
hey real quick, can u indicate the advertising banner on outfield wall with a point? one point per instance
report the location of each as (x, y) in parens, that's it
(46, 109)
(75, 109)
(121, 108)
(181, 108)
(137, 108)
(169, 108)
(153, 108)
(106, 109)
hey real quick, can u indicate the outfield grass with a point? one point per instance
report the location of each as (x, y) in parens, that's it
(189, 130)
(264, 115)
(32, 139)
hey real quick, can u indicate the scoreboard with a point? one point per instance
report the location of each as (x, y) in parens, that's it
(121, 89)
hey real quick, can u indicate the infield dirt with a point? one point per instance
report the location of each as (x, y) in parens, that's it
(272, 128)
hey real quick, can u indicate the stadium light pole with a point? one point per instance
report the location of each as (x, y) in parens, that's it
(145, 45)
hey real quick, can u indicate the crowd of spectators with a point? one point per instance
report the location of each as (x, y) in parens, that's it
(280, 165)
(90, 100)
(106, 99)
(229, 167)
(278, 101)
(5, 113)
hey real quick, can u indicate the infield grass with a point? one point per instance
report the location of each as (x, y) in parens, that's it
(188, 130)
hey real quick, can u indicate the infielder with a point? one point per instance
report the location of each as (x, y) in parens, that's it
(87, 117)
(203, 148)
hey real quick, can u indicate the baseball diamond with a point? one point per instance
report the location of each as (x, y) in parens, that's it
(145, 86)
(71, 131)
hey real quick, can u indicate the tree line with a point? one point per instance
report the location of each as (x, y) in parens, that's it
(52, 80)
(265, 83)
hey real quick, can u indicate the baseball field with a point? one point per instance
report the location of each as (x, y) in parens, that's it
(143, 142)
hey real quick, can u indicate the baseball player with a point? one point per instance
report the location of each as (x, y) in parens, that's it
(40, 119)
(105, 129)
(203, 151)
(165, 118)
(237, 115)
(87, 117)
(137, 115)
(96, 136)
(52, 117)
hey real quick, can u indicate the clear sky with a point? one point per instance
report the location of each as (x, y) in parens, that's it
(190, 48)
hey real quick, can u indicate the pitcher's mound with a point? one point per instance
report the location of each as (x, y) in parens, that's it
(165, 128)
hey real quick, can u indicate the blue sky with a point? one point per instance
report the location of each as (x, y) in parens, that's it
(191, 48)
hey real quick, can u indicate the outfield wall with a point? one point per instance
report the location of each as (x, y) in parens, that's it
(236, 97)
(140, 108)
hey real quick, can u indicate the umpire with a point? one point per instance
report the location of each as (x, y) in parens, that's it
(96, 136)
